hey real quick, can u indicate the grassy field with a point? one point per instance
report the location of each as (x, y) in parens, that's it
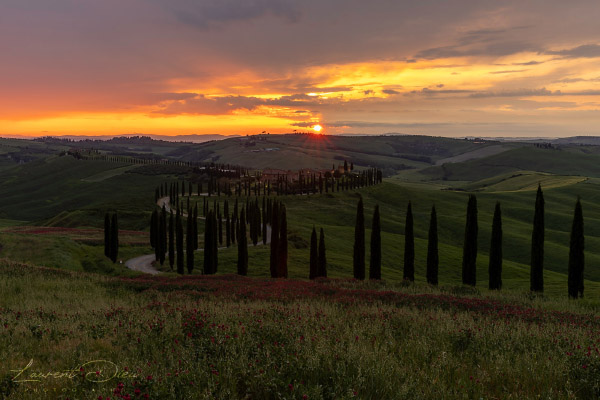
(85, 336)
(79, 203)
(560, 161)
(390, 153)
(65, 306)
(55, 186)
(336, 214)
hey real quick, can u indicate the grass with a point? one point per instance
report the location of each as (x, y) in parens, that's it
(562, 161)
(42, 189)
(390, 153)
(336, 214)
(229, 337)
(70, 249)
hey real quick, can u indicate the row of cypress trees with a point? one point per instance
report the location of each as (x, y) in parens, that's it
(280, 185)
(111, 237)
(469, 262)
(235, 229)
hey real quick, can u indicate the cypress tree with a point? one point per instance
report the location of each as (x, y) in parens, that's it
(264, 226)
(233, 229)
(220, 228)
(153, 230)
(190, 243)
(282, 252)
(114, 238)
(537, 244)
(179, 242)
(227, 231)
(274, 240)
(215, 243)
(171, 241)
(242, 261)
(257, 222)
(314, 255)
(495, 266)
(208, 246)
(195, 226)
(576, 256)
(469, 263)
(432, 250)
(359, 242)
(409, 246)
(375, 262)
(107, 235)
(322, 264)
(162, 237)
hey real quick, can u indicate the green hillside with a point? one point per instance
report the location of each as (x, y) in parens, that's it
(62, 191)
(560, 161)
(336, 214)
(320, 151)
(44, 188)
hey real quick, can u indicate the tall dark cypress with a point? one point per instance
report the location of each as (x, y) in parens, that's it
(227, 231)
(375, 261)
(314, 255)
(114, 238)
(282, 252)
(233, 229)
(220, 228)
(242, 261)
(153, 229)
(576, 256)
(207, 262)
(322, 264)
(409, 246)
(537, 244)
(274, 240)
(162, 236)
(495, 266)
(107, 235)
(264, 225)
(215, 244)
(189, 248)
(179, 242)
(469, 263)
(171, 241)
(195, 226)
(432, 250)
(359, 242)
(208, 245)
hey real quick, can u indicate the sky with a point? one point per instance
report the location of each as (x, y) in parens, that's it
(177, 67)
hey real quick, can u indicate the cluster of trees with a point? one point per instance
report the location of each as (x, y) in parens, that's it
(111, 236)
(469, 261)
(247, 185)
(318, 256)
(167, 232)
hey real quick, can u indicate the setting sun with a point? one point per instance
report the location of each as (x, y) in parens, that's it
(317, 128)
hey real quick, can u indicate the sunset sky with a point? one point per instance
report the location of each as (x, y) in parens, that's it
(449, 68)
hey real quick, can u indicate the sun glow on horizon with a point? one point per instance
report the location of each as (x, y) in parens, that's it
(317, 128)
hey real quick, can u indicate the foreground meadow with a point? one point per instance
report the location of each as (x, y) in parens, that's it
(82, 336)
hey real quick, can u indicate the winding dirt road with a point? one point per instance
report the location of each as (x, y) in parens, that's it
(142, 264)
